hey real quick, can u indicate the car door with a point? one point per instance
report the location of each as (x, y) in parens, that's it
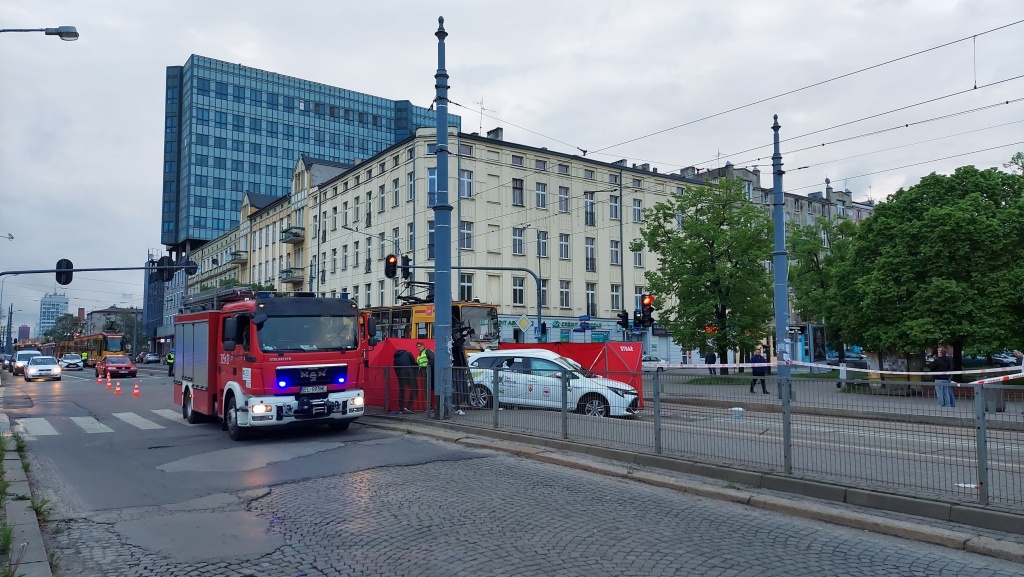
(512, 380)
(543, 384)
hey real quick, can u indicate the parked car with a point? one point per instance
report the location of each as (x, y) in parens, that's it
(72, 362)
(652, 363)
(533, 378)
(151, 359)
(5, 360)
(21, 359)
(43, 368)
(116, 366)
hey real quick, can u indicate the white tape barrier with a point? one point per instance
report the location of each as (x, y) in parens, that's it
(851, 369)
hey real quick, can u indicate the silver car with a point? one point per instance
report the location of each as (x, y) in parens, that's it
(42, 368)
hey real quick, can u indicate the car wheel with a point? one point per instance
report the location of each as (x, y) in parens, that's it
(236, 432)
(660, 369)
(593, 405)
(57, 379)
(188, 411)
(479, 397)
(338, 426)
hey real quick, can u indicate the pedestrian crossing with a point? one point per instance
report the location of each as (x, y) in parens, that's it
(32, 428)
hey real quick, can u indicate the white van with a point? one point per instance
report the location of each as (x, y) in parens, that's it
(533, 378)
(21, 359)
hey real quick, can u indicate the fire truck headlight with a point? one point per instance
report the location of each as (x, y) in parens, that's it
(282, 384)
(357, 401)
(261, 409)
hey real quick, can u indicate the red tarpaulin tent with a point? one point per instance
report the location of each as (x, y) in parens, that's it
(380, 383)
(620, 361)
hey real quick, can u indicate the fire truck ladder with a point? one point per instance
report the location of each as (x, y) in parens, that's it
(213, 299)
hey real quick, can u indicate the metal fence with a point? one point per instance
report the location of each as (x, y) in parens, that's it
(888, 435)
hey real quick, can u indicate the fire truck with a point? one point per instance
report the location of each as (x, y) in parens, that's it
(256, 360)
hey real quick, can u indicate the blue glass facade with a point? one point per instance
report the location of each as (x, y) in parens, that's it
(230, 129)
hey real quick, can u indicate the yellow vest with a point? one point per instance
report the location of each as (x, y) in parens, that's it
(170, 357)
(422, 359)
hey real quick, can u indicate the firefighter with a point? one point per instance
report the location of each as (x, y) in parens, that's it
(170, 363)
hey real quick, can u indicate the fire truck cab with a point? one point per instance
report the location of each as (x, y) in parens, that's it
(257, 360)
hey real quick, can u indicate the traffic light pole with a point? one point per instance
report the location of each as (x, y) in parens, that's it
(184, 267)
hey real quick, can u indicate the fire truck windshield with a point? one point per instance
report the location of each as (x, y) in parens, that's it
(319, 333)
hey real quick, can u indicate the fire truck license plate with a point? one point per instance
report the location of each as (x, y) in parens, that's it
(314, 389)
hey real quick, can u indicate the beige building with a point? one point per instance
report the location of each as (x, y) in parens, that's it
(113, 318)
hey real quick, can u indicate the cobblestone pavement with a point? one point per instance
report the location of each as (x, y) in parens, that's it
(505, 516)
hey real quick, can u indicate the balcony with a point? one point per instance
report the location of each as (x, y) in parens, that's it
(238, 257)
(293, 235)
(292, 275)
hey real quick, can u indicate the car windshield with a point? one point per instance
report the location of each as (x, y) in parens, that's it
(576, 366)
(72, 357)
(118, 360)
(320, 333)
(23, 357)
(484, 322)
(42, 361)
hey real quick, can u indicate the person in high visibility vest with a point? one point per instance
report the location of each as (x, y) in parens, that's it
(170, 363)
(425, 361)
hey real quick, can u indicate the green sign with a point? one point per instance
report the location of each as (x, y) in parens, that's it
(596, 337)
(565, 334)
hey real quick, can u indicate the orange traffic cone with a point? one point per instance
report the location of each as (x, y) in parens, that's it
(136, 393)
(99, 380)
(109, 386)
(117, 390)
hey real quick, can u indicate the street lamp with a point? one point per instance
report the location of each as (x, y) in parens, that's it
(68, 33)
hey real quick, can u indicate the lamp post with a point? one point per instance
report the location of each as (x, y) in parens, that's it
(68, 33)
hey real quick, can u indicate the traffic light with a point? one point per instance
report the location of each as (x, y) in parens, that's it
(391, 266)
(406, 263)
(623, 320)
(163, 266)
(64, 271)
(648, 308)
(637, 319)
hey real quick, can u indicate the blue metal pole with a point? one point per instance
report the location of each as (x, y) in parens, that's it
(443, 243)
(780, 269)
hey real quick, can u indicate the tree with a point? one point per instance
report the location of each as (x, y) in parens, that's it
(817, 253)
(940, 261)
(64, 328)
(1016, 164)
(712, 245)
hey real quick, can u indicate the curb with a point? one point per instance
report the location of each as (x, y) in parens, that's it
(585, 458)
(20, 515)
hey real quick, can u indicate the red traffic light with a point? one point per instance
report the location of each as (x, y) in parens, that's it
(391, 266)
(648, 301)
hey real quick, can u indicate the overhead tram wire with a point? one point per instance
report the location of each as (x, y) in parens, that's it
(837, 179)
(787, 93)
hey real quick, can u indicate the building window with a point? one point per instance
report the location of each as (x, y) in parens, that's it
(412, 186)
(466, 183)
(616, 294)
(334, 260)
(518, 198)
(380, 241)
(542, 195)
(518, 247)
(543, 292)
(638, 259)
(542, 244)
(465, 236)
(589, 217)
(356, 209)
(465, 150)
(344, 214)
(613, 207)
(380, 293)
(563, 169)
(465, 287)
(638, 210)
(591, 291)
(637, 183)
(517, 160)
(590, 254)
(615, 252)
(430, 239)
(588, 174)
(638, 296)
(396, 240)
(613, 179)
(395, 192)
(431, 187)
(518, 290)
(344, 257)
(381, 199)
(563, 246)
(355, 255)
(563, 199)
(563, 294)
(412, 237)
(540, 164)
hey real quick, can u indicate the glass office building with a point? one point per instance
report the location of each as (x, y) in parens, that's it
(230, 129)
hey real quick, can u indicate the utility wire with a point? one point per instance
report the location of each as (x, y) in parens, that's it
(973, 36)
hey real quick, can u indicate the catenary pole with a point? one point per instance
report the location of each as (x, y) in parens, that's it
(443, 246)
(780, 269)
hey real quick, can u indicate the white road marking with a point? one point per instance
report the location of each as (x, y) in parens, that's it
(137, 421)
(91, 425)
(37, 427)
(172, 415)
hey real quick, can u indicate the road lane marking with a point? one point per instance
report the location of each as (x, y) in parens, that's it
(37, 427)
(137, 421)
(172, 415)
(91, 425)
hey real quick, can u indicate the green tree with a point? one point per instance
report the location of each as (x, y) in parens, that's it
(1016, 164)
(64, 328)
(712, 245)
(940, 261)
(817, 254)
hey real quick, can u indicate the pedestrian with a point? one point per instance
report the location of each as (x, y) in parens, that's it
(1020, 358)
(425, 361)
(943, 364)
(711, 359)
(170, 363)
(758, 371)
(405, 370)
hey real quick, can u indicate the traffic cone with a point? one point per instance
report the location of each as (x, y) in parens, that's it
(99, 380)
(136, 393)
(117, 390)
(109, 386)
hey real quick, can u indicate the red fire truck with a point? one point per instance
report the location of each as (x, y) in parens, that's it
(254, 360)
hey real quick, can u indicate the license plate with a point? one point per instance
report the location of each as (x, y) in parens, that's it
(313, 389)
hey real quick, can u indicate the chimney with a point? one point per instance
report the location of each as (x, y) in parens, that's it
(688, 172)
(81, 314)
(828, 190)
(496, 133)
(645, 167)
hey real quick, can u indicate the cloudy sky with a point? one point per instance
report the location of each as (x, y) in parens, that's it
(81, 122)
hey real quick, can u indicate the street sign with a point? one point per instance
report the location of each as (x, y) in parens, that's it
(536, 332)
(584, 317)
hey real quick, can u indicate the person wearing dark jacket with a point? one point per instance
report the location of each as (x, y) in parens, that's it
(942, 365)
(710, 359)
(757, 357)
(405, 370)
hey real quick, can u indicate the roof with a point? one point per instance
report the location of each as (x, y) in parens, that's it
(259, 201)
(311, 160)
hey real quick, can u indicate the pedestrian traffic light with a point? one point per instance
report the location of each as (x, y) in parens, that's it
(636, 319)
(65, 270)
(623, 320)
(391, 266)
(406, 263)
(163, 266)
(648, 308)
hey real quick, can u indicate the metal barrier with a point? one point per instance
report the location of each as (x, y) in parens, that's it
(886, 435)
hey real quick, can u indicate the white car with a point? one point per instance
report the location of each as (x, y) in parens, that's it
(21, 359)
(42, 367)
(533, 378)
(652, 363)
(72, 362)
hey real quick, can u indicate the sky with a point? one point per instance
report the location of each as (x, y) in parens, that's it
(673, 83)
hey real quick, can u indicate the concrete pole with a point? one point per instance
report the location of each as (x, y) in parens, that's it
(780, 269)
(443, 245)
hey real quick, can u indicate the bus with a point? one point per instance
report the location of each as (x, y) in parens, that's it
(97, 346)
(27, 346)
(49, 349)
(416, 321)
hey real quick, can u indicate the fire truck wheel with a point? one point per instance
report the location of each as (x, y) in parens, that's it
(338, 426)
(187, 411)
(231, 418)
